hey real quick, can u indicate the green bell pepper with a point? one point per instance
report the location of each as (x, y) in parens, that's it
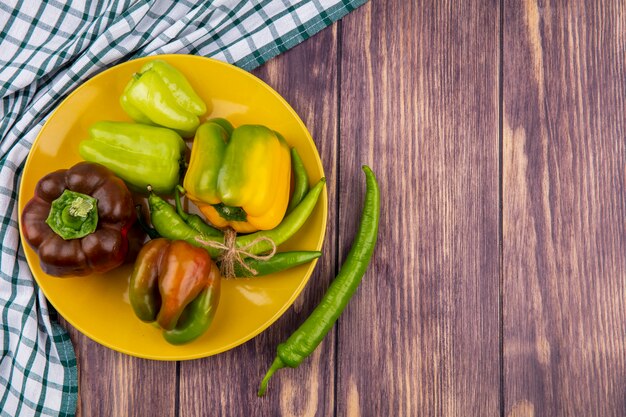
(141, 155)
(159, 94)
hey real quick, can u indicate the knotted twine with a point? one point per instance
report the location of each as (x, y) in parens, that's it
(232, 254)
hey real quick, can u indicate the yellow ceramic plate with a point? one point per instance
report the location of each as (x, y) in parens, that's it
(98, 305)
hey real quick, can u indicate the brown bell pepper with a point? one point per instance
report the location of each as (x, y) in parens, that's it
(78, 220)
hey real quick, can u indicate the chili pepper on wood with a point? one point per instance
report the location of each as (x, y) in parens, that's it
(300, 180)
(310, 334)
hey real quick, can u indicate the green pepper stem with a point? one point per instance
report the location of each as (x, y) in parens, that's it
(276, 365)
(179, 207)
(73, 215)
(230, 213)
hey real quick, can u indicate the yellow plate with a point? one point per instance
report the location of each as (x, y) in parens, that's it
(98, 305)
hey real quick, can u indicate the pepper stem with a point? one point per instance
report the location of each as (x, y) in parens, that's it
(276, 365)
(81, 207)
(73, 215)
(179, 207)
(236, 214)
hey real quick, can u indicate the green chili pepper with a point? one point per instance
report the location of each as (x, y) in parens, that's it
(301, 180)
(309, 335)
(170, 225)
(194, 220)
(279, 262)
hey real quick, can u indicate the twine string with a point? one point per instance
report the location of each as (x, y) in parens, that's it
(232, 255)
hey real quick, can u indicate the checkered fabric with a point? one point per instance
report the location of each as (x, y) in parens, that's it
(48, 48)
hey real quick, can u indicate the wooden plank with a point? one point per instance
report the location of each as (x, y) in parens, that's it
(419, 102)
(564, 253)
(226, 385)
(115, 384)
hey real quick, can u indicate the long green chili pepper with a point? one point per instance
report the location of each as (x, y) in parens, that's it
(309, 335)
(171, 226)
(168, 223)
(194, 220)
(301, 180)
(278, 262)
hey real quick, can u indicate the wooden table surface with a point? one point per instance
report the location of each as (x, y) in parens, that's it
(497, 130)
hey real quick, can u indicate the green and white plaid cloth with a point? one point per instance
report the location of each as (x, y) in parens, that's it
(47, 49)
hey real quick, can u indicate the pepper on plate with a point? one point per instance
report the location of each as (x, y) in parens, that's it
(78, 220)
(141, 155)
(177, 286)
(160, 94)
(239, 177)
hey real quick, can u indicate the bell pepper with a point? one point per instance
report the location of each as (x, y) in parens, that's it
(78, 220)
(141, 155)
(239, 179)
(160, 94)
(177, 286)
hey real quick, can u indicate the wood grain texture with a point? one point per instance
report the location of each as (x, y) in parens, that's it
(564, 245)
(115, 384)
(226, 385)
(419, 103)
(513, 195)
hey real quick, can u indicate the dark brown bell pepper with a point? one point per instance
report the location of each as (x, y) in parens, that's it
(78, 220)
